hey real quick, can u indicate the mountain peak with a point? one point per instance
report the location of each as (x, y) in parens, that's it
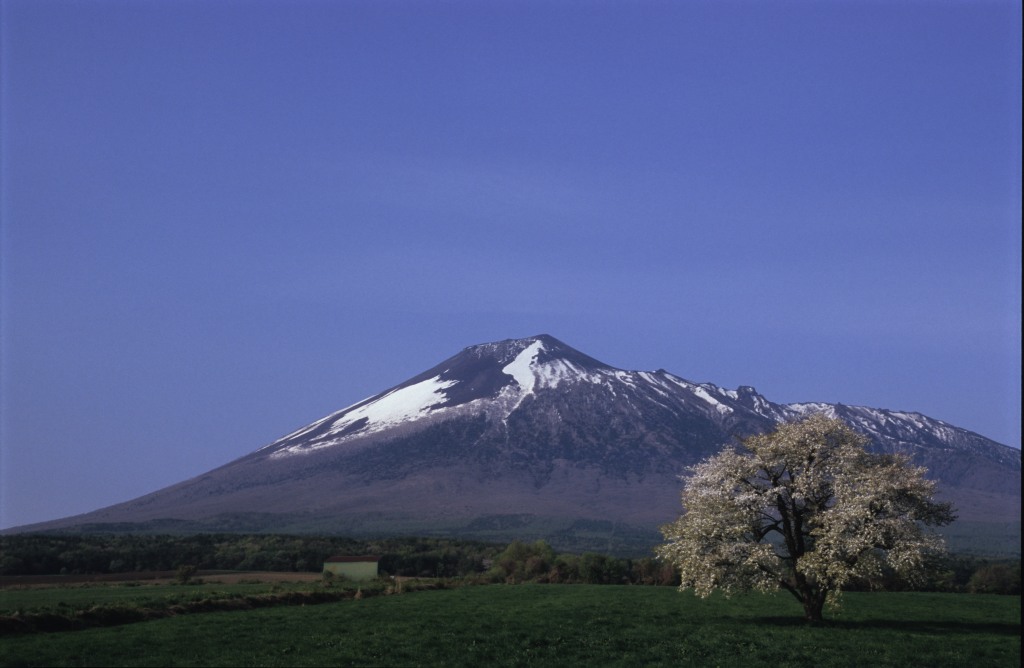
(544, 349)
(534, 427)
(487, 376)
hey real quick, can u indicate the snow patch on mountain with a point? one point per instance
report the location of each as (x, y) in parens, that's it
(797, 411)
(554, 373)
(915, 419)
(521, 368)
(703, 393)
(399, 405)
(532, 374)
(494, 380)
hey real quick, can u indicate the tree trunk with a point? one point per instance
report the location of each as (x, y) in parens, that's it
(814, 603)
(810, 595)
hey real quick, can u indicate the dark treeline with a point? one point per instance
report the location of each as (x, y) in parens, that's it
(536, 562)
(51, 554)
(45, 554)
(954, 573)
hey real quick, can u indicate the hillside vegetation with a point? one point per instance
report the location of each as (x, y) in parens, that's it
(53, 554)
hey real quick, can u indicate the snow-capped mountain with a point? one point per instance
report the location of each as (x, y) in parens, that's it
(531, 433)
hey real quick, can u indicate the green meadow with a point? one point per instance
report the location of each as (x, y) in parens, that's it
(554, 625)
(141, 595)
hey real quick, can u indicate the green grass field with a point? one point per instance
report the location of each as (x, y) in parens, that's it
(84, 597)
(555, 625)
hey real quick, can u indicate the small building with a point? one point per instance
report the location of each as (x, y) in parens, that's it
(352, 568)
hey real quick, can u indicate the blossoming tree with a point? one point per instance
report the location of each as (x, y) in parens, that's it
(805, 508)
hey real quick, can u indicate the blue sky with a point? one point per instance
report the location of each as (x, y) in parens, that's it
(223, 220)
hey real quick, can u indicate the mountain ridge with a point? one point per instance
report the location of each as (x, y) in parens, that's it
(534, 427)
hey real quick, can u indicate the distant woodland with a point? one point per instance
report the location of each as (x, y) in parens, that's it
(53, 554)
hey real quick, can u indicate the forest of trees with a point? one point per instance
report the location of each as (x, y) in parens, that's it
(51, 554)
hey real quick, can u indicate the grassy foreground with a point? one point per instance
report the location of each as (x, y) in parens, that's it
(555, 625)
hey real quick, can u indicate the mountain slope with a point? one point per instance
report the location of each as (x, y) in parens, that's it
(530, 436)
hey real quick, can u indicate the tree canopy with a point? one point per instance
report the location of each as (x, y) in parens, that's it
(806, 508)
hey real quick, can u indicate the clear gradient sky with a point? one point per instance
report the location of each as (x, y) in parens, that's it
(223, 220)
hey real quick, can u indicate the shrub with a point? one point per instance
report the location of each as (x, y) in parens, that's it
(995, 579)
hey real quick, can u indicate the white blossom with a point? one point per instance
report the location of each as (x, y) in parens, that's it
(805, 508)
